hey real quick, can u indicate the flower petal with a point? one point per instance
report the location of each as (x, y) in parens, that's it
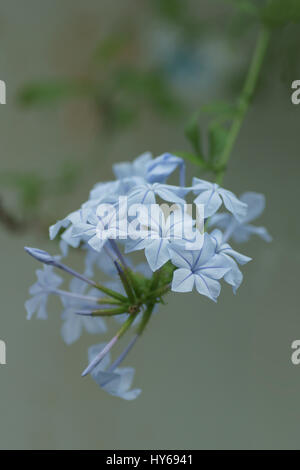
(241, 259)
(233, 204)
(216, 267)
(234, 277)
(157, 253)
(179, 256)
(71, 328)
(256, 204)
(183, 280)
(208, 287)
(211, 201)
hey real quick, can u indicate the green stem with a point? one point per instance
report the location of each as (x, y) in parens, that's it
(133, 281)
(112, 293)
(127, 324)
(108, 301)
(245, 99)
(157, 292)
(126, 284)
(146, 317)
(109, 312)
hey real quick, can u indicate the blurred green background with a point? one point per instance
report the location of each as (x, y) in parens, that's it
(96, 82)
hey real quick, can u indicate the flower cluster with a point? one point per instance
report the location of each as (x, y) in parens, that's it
(130, 214)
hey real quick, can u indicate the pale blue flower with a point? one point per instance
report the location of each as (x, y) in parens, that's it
(110, 192)
(138, 168)
(146, 193)
(102, 260)
(100, 228)
(161, 231)
(102, 190)
(150, 170)
(161, 167)
(46, 283)
(211, 196)
(241, 230)
(116, 382)
(202, 269)
(64, 248)
(234, 277)
(73, 324)
(76, 217)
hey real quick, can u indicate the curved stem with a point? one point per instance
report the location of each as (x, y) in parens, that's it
(146, 317)
(157, 292)
(245, 99)
(123, 355)
(109, 345)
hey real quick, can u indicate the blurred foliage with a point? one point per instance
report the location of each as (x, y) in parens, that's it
(181, 15)
(120, 84)
(115, 82)
(52, 92)
(273, 13)
(33, 191)
(112, 47)
(207, 148)
(278, 13)
(282, 18)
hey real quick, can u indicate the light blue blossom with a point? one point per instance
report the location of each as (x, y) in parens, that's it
(241, 230)
(139, 167)
(146, 193)
(116, 382)
(64, 248)
(102, 192)
(211, 196)
(150, 170)
(76, 217)
(161, 167)
(102, 260)
(99, 228)
(202, 269)
(234, 277)
(111, 191)
(73, 324)
(161, 231)
(47, 281)
(128, 174)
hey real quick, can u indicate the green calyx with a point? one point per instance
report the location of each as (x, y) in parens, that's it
(140, 291)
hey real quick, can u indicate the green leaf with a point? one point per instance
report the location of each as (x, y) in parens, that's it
(220, 108)
(149, 86)
(51, 92)
(173, 10)
(29, 186)
(195, 159)
(111, 47)
(192, 133)
(118, 116)
(31, 192)
(279, 13)
(246, 6)
(67, 177)
(217, 137)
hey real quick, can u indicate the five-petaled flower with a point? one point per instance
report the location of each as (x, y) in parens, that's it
(201, 269)
(212, 195)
